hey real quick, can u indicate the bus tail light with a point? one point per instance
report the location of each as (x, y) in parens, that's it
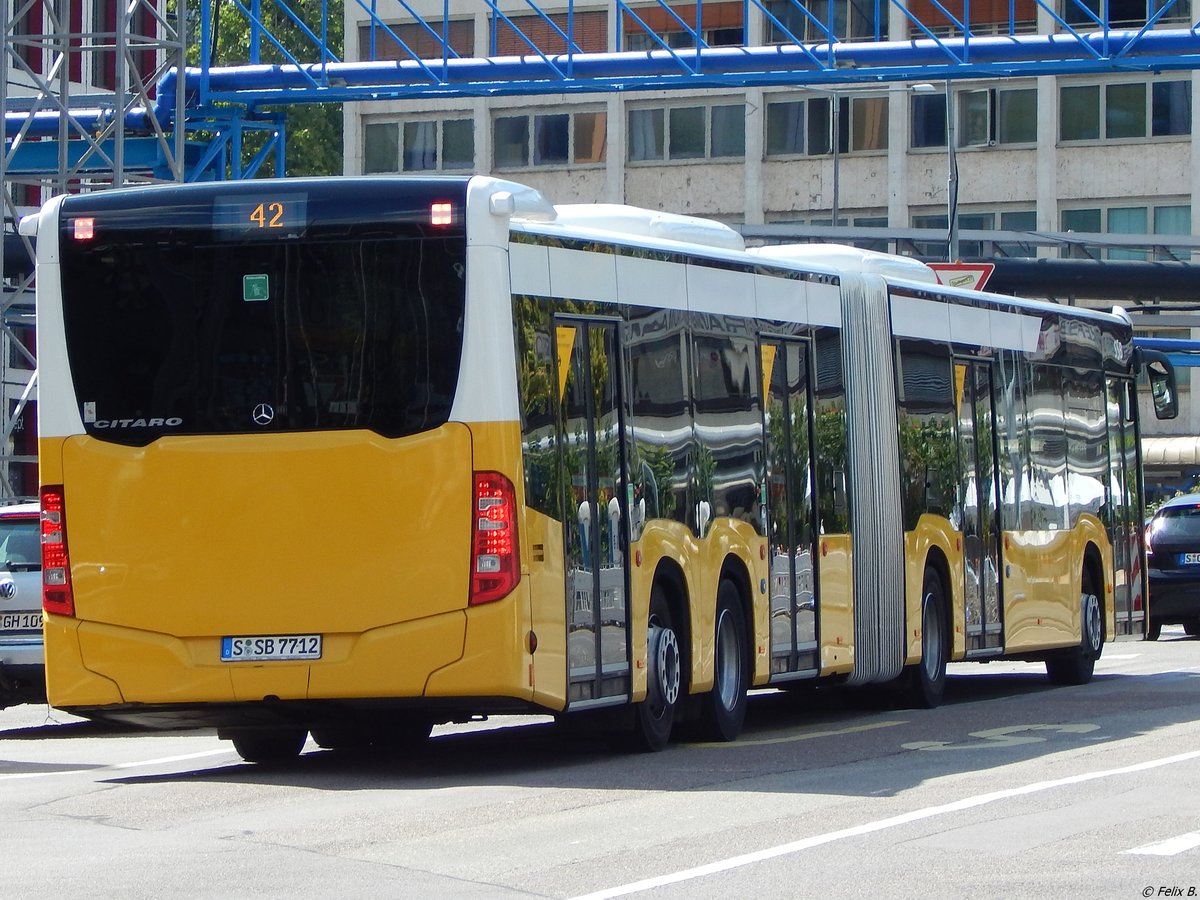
(57, 597)
(441, 214)
(495, 560)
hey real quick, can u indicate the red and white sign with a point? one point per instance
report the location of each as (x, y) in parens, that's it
(972, 276)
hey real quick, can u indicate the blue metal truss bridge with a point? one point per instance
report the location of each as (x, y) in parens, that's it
(828, 42)
(415, 48)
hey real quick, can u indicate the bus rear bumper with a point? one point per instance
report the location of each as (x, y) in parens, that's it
(307, 714)
(94, 665)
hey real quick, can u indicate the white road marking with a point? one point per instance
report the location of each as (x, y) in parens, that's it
(801, 736)
(747, 859)
(1002, 737)
(118, 766)
(1171, 846)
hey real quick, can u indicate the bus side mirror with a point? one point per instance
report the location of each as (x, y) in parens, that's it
(1162, 383)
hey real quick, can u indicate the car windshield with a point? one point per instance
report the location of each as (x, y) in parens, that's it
(20, 544)
(1179, 522)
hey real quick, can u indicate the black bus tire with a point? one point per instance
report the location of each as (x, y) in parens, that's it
(724, 707)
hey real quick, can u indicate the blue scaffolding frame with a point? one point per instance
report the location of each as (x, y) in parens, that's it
(223, 102)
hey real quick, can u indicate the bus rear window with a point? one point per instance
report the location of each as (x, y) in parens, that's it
(174, 328)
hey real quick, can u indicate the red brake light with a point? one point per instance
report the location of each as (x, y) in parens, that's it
(495, 562)
(441, 214)
(85, 229)
(57, 597)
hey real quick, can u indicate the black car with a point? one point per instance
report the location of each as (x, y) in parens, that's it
(1173, 563)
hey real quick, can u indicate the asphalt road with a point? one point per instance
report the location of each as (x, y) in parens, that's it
(1012, 788)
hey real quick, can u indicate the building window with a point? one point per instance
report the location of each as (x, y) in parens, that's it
(722, 25)
(805, 127)
(1125, 110)
(26, 30)
(381, 147)
(1173, 220)
(879, 245)
(996, 116)
(1170, 108)
(637, 39)
(549, 139)
(1167, 219)
(412, 40)
(966, 222)
(1128, 220)
(945, 20)
(687, 132)
(1088, 14)
(419, 145)
(985, 118)
(928, 121)
(868, 124)
(1017, 220)
(104, 62)
(817, 21)
(517, 35)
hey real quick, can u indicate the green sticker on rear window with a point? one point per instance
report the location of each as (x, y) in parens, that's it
(255, 287)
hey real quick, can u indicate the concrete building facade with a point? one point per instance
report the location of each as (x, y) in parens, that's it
(1103, 153)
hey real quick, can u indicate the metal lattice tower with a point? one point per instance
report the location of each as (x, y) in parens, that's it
(79, 115)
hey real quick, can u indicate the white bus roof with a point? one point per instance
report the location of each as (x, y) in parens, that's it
(850, 259)
(615, 219)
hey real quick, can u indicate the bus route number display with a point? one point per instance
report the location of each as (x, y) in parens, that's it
(260, 216)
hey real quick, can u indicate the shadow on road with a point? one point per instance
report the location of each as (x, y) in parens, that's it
(816, 740)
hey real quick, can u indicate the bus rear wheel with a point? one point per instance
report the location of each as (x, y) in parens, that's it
(654, 717)
(275, 745)
(724, 707)
(1077, 664)
(927, 679)
(399, 736)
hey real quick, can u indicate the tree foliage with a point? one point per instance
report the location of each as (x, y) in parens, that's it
(314, 130)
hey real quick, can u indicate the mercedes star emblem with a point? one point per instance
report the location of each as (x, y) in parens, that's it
(263, 414)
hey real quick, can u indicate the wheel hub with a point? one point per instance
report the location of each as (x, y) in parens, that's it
(665, 648)
(1092, 622)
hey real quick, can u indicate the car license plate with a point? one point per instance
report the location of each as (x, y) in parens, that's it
(1189, 559)
(22, 621)
(263, 647)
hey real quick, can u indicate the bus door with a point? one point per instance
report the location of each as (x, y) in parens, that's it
(1124, 519)
(977, 504)
(789, 509)
(594, 462)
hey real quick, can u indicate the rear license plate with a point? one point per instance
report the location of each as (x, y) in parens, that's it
(1189, 559)
(261, 647)
(22, 621)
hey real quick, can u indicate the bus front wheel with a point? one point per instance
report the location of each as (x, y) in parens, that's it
(275, 745)
(1076, 664)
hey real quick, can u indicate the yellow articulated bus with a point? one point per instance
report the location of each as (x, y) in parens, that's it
(353, 457)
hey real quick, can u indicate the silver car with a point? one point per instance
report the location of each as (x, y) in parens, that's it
(22, 665)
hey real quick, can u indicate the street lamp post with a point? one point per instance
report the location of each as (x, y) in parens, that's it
(835, 129)
(952, 163)
(952, 179)
(835, 103)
